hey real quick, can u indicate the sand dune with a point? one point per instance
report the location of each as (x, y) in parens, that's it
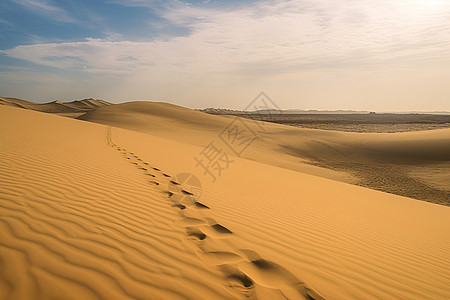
(399, 163)
(70, 109)
(164, 120)
(91, 212)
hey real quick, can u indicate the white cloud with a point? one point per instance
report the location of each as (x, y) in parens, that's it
(266, 40)
(285, 33)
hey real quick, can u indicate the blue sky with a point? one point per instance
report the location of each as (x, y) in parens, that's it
(31, 21)
(312, 54)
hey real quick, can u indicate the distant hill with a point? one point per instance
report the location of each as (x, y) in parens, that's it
(76, 107)
(224, 111)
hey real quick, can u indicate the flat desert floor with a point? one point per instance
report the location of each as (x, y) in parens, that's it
(358, 122)
(119, 208)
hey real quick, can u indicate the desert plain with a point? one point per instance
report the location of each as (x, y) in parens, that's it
(149, 200)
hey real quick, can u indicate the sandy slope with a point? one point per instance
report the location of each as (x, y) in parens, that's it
(89, 212)
(399, 163)
(79, 222)
(198, 128)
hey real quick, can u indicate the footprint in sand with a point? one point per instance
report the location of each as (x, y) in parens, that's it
(191, 184)
(196, 233)
(200, 205)
(180, 206)
(238, 281)
(272, 275)
(221, 229)
(187, 193)
(212, 228)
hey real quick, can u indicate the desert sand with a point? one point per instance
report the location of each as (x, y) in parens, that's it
(400, 163)
(104, 211)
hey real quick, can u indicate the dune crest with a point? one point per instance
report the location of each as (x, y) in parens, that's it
(71, 109)
(398, 163)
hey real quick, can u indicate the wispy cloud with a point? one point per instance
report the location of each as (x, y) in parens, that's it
(45, 9)
(284, 35)
(5, 22)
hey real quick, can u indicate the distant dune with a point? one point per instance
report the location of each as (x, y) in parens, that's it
(89, 211)
(72, 109)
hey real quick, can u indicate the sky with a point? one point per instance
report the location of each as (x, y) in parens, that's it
(377, 55)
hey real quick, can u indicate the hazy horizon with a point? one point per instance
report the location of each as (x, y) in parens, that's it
(237, 109)
(305, 54)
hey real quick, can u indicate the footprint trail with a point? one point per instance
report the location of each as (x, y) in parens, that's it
(243, 269)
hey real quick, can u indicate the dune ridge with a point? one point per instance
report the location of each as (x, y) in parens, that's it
(398, 163)
(72, 109)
